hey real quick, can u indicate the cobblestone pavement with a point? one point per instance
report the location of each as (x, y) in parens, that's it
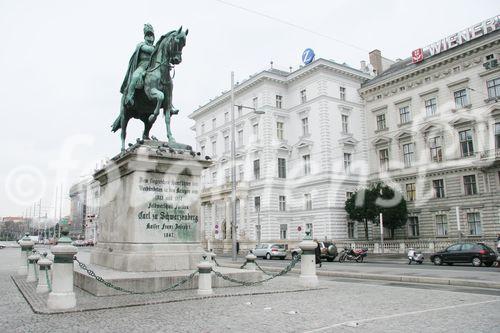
(342, 307)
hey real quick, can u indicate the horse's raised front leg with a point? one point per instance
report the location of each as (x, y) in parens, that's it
(147, 128)
(158, 95)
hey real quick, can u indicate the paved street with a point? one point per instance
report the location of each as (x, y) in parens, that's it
(344, 305)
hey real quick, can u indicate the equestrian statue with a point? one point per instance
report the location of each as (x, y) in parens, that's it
(147, 86)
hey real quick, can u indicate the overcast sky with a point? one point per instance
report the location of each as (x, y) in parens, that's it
(62, 64)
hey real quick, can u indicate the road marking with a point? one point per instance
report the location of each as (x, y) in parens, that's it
(350, 322)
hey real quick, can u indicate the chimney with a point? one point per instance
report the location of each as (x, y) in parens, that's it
(376, 61)
(363, 66)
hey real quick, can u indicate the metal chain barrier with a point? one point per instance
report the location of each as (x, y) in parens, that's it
(91, 273)
(262, 270)
(215, 261)
(246, 283)
(48, 279)
(243, 266)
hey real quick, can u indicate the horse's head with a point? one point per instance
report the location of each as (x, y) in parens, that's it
(175, 44)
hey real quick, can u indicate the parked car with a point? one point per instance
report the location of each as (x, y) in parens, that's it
(79, 242)
(89, 242)
(328, 251)
(269, 251)
(474, 253)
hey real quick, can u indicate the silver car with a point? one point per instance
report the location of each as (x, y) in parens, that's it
(269, 251)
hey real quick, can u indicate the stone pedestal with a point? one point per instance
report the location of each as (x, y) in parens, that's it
(26, 247)
(308, 276)
(149, 210)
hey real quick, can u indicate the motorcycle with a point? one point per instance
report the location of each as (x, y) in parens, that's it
(414, 256)
(357, 255)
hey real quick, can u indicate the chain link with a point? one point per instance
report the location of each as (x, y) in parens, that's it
(243, 266)
(261, 269)
(246, 283)
(215, 261)
(91, 273)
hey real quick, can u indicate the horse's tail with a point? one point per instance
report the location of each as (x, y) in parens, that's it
(116, 125)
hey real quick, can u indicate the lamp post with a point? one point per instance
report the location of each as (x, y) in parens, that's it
(233, 166)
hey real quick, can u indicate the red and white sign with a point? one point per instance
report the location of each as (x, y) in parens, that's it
(417, 55)
(216, 226)
(299, 228)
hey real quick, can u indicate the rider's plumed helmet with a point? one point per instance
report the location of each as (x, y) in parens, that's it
(148, 29)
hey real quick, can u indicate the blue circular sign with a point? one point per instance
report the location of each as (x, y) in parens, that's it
(308, 56)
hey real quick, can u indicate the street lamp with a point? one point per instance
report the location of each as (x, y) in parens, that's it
(233, 165)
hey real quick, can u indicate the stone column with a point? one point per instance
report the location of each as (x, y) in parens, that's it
(44, 275)
(242, 225)
(205, 278)
(62, 295)
(250, 266)
(32, 267)
(308, 276)
(26, 247)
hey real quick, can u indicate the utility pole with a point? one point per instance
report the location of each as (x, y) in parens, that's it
(60, 212)
(382, 231)
(39, 213)
(233, 172)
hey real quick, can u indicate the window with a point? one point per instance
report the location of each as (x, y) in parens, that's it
(203, 151)
(350, 229)
(347, 162)
(384, 159)
(438, 188)
(214, 123)
(470, 187)
(307, 201)
(461, 98)
(226, 117)
(255, 102)
(306, 159)
(281, 168)
(303, 96)
(305, 126)
(466, 145)
(255, 129)
(345, 124)
(441, 225)
(256, 204)
(283, 228)
(493, 88)
(240, 137)
(226, 143)
(411, 192)
(256, 169)
(404, 114)
(279, 130)
(413, 228)
(342, 93)
(402, 88)
(436, 149)
(490, 57)
(240, 111)
(282, 203)
(381, 122)
(474, 222)
(309, 228)
(214, 147)
(214, 177)
(408, 153)
(430, 107)
(279, 99)
(348, 195)
(227, 175)
(497, 135)
(241, 172)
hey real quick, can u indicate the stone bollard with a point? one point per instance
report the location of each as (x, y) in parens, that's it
(32, 267)
(62, 295)
(205, 278)
(308, 276)
(44, 274)
(250, 266)
(26, 247)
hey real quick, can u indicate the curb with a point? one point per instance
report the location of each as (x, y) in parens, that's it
(396, 278)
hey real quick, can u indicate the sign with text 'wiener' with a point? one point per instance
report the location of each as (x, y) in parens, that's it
(459, 38)
(168, 209)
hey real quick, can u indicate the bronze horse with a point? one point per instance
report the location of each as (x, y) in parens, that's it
(157, 91)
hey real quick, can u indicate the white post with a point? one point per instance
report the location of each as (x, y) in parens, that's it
(32, 267)
(382, 231)
(308, 276)
(62, 295)
(205, 278)
(26, 247)
(44, 278)
(457, 213)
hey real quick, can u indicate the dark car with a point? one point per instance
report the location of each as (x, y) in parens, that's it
(328, 251)
(474, 253)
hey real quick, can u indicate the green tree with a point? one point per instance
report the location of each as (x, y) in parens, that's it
(366, 204)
